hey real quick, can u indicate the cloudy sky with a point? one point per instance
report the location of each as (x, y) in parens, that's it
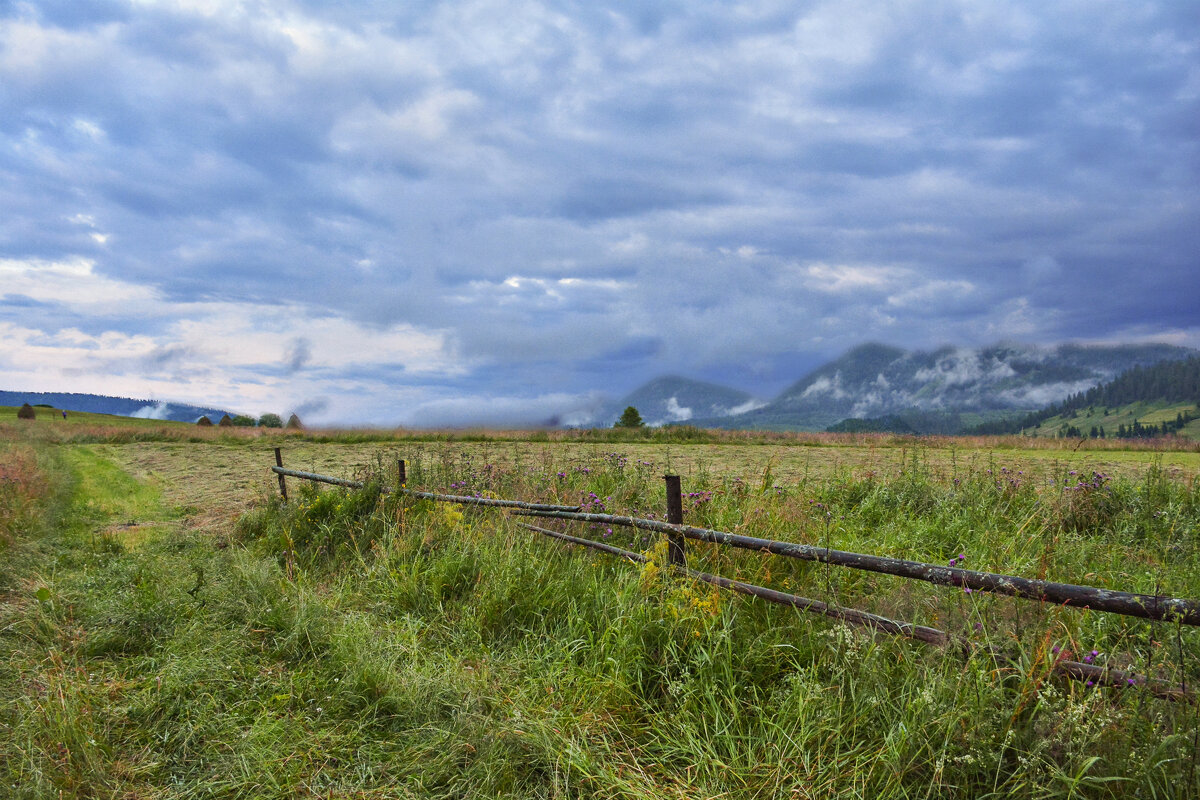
(425, 213)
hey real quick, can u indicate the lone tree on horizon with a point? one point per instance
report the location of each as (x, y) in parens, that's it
(630, 418)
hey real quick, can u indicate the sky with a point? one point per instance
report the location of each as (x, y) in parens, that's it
(502, 212)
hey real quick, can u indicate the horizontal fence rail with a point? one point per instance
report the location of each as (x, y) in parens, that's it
(1076, 670)
(448, 498)
(1142, 606)
(924, 634)
(312, 476)
(468, 500)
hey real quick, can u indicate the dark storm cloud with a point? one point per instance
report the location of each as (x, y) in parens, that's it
(581, 196)
(299, 353)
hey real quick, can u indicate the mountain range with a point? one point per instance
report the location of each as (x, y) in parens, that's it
(672, 399)
(871, 387)
(121, 406)
(940, 391)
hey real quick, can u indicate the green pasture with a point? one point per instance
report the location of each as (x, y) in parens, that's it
(1111, 419)
(170, 629)
(54, 416)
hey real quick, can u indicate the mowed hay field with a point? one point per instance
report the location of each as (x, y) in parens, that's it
(170, 629)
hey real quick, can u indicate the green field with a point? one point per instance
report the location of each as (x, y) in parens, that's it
(1111, 419)
(54, 416)
(169, 629)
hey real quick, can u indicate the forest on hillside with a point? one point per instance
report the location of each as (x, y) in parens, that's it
(1168, 381)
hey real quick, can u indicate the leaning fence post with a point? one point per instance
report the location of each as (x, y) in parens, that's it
(403, 479)
(279, 463)
(675, 546)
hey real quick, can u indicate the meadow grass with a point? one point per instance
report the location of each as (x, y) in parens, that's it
(352, 644)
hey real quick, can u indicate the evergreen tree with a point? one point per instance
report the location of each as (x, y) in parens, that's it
(630, 418)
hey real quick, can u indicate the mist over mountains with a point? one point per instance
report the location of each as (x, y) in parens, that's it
(943, 391)
(671, 399)
(940, 391)
(120, 406)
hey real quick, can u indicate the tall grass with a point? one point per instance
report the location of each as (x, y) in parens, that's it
(365, 645)
(662, 687)
(21, 487)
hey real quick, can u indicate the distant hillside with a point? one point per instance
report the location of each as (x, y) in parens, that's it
(121, 406)
(946, 390)
(924, 423)
(1150, 388)
(671, 399)
(889, 424)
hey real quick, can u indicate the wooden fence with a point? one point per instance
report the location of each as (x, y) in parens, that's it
(1163, 608)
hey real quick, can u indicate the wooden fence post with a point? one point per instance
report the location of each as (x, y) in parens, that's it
(400, 474)
(675, 545)
(279, 463)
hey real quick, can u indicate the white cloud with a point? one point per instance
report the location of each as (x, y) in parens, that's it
(157, 410)
(676, 412)
(227, 353)
(963, 367)
(844, 278)
(827, 386)
(73, 282)
(749, 405)
(1044, 394)
(930, 295)
(601, 194)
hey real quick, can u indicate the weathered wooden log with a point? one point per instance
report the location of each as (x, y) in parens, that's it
(282, 483)
(1093, 674)
(929, 635)
(489, 501)
(448, 498)
(1142, 606)
(312, 476)
(676, 549)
